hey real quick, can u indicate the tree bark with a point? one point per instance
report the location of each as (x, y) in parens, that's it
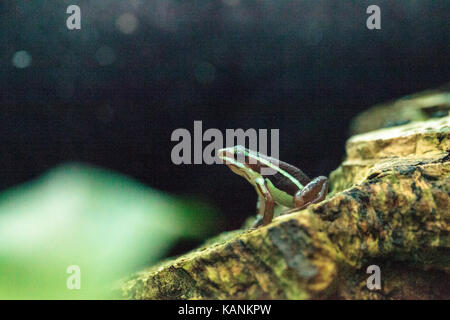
(389, 206)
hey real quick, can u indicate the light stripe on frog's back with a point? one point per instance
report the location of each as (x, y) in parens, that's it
(287, 177)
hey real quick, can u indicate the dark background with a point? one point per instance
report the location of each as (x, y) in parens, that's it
(304, 67)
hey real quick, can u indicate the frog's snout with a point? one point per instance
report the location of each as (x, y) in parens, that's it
(221, 153)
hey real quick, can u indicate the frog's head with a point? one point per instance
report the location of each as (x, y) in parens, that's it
(240, 160)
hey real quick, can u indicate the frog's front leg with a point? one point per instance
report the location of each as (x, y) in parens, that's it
(313, 192)
(259, 210)
(260, 204)
(265, 205)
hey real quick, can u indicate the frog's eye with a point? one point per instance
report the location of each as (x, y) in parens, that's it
(239, 156)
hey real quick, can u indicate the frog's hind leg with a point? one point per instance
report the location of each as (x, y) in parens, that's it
(313, 192)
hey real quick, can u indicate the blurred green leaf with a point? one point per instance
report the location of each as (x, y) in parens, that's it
(105, 223)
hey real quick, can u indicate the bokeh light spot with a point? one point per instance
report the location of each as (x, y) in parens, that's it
(21, 59)
(127, 23)
(105, 56)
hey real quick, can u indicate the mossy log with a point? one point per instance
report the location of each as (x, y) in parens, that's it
(389, 206)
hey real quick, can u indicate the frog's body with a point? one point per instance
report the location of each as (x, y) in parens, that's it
(274, 181)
